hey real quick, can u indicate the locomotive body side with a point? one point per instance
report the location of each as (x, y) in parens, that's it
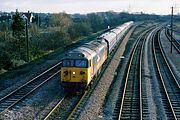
(100, 57)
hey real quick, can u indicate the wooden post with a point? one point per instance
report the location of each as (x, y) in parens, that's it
(171, 28)
(27, 44)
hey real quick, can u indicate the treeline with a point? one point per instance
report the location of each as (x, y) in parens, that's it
(62, 30)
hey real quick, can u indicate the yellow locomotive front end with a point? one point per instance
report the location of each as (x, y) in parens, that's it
(75, 74)
(80, 65)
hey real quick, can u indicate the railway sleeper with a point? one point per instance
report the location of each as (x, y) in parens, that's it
(8, 101)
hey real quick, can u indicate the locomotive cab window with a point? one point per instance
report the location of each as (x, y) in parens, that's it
(81, 63)
(68, 63)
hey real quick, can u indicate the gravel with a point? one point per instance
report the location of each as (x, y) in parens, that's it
(174, 57)
(176, 35)
(155, 107)
(48, 95)
(156, 110)
(11, 82)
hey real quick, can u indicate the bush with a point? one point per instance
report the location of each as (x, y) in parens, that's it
(5, 61)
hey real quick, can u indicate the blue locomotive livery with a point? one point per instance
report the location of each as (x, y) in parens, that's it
(80, 65)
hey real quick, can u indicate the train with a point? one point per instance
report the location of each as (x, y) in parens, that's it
(82, 64)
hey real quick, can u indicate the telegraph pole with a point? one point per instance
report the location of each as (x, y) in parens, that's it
(27, 44)
(171, 27)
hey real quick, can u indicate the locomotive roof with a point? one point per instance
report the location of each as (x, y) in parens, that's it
(81, 53)
(94, 45)
(87, 50)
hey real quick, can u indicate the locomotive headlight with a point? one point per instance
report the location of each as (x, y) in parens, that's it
(74, 73)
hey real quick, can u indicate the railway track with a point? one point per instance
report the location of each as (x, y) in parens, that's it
(64, 108)
(49, 113)
(169, 87)
(81, 102)
(129, 104)
(77, 109)
(175, 43)
(19, 94)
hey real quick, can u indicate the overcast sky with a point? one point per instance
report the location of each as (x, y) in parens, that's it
(86, 6)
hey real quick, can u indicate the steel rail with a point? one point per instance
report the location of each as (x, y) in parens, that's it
(176, 44)
(72, 114)
(28, 88)
(160, 75)
(31, 80)
(51, 112)
(128, 73)
(140, 79)
(24, 96)
(167, 63)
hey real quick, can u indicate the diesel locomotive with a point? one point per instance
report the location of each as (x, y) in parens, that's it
(82, 64)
